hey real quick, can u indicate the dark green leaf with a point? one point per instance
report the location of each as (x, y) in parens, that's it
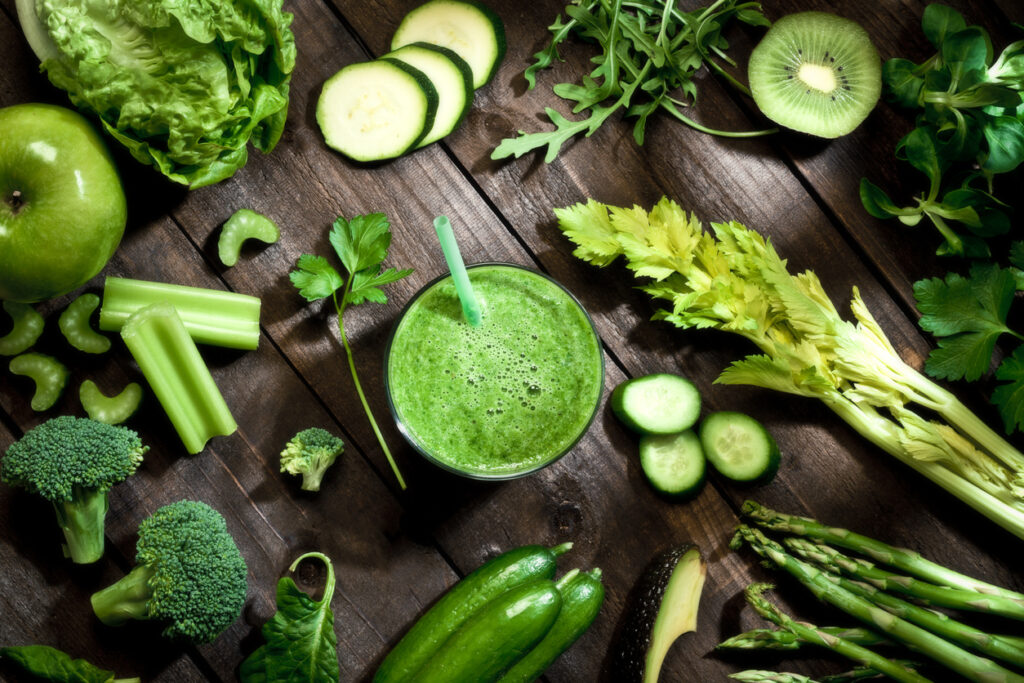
(1009, 398)
(301, 644)
(1009, 68)
(543, 59)
(986, 220)
(1005, 136)
(918, 148)
(876, 202)
(902, 84)
(365, 285)
(315, 278)
(1017, 254)
(967, 315)
(361, 242)
(754, 17)
(938, 21)
(53, 665)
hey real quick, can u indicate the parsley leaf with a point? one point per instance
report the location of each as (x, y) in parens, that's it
(967, 315)
(1009, 398)
(361, 244)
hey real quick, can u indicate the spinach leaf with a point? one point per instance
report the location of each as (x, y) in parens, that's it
(301, 644)
(50, 664)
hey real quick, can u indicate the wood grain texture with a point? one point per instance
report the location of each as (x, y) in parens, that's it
(395, 552)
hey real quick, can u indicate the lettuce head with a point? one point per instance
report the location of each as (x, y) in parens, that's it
(183, 84)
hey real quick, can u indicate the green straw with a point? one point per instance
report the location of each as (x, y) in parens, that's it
(470, 306)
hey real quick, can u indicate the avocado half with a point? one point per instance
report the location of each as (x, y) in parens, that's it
(665, 607)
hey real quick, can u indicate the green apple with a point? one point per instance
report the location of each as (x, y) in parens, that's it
(62, 208)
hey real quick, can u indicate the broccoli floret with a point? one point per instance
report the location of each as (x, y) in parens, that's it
(190, 574)
(73, 462)
(310, 453)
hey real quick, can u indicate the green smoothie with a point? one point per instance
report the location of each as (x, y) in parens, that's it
(504, 398)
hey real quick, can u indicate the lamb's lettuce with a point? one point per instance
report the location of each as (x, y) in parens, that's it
(184, 86)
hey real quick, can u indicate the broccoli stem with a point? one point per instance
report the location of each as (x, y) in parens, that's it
(81, 519)
(125, 600)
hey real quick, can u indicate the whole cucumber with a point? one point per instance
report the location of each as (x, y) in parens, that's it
(582, 596)
(490, 580)
(497, 635)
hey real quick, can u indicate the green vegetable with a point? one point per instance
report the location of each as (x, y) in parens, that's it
(490, 580)
(361, 245)
(925, 642)
(582, 597)
(47, 372)
(50, 664)
(650, 53)
(183, 87)
(739, 447)
(735, 281)
(73, 462)
(111, 410)
(170, 362)
(674, 464)
(779, 639)
(812, 634)
(26, 327)
(759, 676)
(310, 453)
(244, 224)
(189, 575)
(211, 316)
(495, 636)
(970, 128)
(74, 325)
(301, 644)
(661, 403)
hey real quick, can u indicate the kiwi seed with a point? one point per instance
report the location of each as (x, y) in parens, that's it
(817, 73)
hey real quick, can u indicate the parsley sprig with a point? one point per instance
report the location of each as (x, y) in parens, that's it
(970, 128)
(650, 52)
(361, 245)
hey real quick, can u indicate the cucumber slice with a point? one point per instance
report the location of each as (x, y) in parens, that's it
(673, 463)
(470, 30)
(657, 404)
(451, 77)
(739, 447)
(376, 110)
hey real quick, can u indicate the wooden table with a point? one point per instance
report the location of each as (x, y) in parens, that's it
(397, 552)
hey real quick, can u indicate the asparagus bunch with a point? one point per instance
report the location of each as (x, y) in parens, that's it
(893, 607)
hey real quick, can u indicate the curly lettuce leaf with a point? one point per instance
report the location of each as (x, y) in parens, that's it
(184, 86)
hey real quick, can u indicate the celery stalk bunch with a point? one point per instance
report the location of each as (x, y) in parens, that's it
(732, 279)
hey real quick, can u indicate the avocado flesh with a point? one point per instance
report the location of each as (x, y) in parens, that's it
(678, 611)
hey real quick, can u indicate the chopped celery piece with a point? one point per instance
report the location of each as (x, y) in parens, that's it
(74, 325)
(47, 372)
(211, 316)
(243, 225)
(170, 362)
(110, 410)
(26, 326)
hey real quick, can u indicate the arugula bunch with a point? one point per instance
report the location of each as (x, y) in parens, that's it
(361, 245)
(733, 280)
(650, 52)
(970, 128)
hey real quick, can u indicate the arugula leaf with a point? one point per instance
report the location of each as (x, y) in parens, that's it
(649, 54)
(968, 315)
(361, 244)
(1009, 398)
(301, 644)
(51, 664)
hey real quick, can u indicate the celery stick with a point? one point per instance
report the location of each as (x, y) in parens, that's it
(211, 316)
(170, 362)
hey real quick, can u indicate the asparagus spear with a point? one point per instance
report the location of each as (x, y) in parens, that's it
(773, 639)
(929, 593)
(813, 634)
(900, 558)
(951, 656)
(936, 622)
(762, 676)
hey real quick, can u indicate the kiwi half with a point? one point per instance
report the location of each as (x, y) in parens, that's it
(817, 73)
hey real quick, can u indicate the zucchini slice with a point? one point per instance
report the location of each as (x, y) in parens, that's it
(376, 110)
(472, 31)
(451, 77)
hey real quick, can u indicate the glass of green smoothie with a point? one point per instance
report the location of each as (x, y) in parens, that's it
(502, 399)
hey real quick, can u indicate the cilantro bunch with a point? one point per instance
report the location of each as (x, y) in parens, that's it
(970, 128)
(362, 245)
(650, 52)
